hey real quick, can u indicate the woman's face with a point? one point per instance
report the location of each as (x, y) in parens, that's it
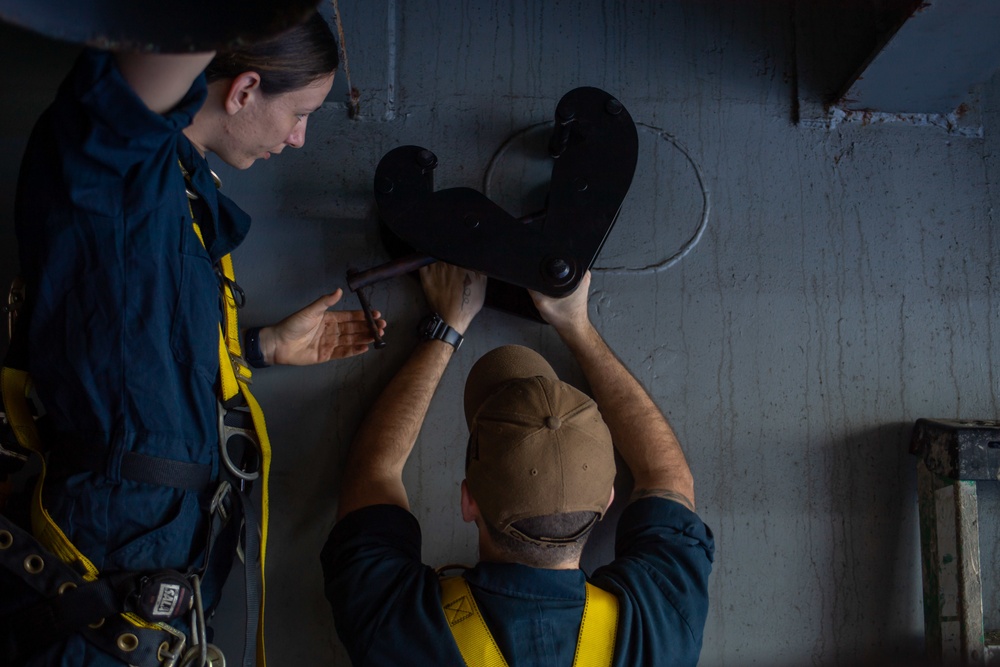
(268, 123)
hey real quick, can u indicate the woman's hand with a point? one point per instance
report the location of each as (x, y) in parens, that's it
(315, 334)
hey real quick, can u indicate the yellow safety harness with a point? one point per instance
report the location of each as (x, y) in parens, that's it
(15, 385)
(235, 377)
(595, 645)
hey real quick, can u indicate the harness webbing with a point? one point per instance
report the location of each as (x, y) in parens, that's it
(595, 645)
(14, 385)
(235, 377)
(234, 380)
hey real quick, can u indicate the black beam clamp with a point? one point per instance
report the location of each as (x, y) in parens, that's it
(594, 147)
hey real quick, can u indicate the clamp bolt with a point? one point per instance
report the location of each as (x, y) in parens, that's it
(470, 221)
(613, 107)
(384, 185)
(565, 112)
(427, 159)
(557, 269)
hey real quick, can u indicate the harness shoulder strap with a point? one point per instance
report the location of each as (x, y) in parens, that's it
(475, 643)
(595, 646)
(235, 377)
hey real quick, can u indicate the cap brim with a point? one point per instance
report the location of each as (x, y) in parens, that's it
(498, 367)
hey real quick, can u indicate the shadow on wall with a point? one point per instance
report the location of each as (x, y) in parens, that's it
(835, 39)
(875, 563)
(901, 660)
(33, 67)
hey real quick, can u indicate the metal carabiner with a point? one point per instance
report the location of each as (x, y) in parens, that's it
(239, 296)
(211, 657)
(201, 653)
(219, 501)
(15, 299)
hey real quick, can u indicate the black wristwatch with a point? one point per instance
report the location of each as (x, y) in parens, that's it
(251, 348)
(433, 327)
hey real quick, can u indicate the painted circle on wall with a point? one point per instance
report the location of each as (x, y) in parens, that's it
(661, 220)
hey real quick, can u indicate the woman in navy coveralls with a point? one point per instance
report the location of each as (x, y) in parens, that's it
(123, 296)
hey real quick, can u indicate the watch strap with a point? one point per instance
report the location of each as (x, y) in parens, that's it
(251, 348)
(433, 327)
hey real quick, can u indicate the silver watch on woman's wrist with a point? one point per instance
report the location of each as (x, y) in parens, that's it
(433, 327)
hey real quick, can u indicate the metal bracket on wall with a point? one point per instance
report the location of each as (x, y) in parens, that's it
(954, 457)
(594, 146)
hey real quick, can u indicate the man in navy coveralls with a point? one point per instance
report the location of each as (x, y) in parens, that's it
(539, 473)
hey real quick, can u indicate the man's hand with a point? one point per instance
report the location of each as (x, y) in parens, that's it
(456, 294)
(568, 314)
(638, 428)
(374, 471)
(315, 334)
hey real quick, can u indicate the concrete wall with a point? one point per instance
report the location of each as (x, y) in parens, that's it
(836, 286)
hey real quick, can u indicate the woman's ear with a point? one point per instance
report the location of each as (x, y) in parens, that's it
(242, 90)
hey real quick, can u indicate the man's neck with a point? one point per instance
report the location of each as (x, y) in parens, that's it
(488, 553)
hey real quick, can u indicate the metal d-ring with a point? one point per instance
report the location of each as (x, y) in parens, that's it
(226, 432)
(15, 299)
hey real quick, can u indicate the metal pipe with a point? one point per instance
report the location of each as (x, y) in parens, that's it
(359, 279)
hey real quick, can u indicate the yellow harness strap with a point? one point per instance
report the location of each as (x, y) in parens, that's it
(235, 377)
(15, 385)
(595, 645)
(15, 388)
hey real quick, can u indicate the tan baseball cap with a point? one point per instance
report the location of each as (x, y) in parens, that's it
(537, 446)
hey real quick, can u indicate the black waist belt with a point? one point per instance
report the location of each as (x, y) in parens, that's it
(77, 454)
(69, 604)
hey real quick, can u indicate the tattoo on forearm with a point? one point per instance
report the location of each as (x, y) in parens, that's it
(663, 493)
(466, 290)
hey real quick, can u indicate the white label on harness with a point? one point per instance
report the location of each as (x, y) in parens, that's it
(166, 600)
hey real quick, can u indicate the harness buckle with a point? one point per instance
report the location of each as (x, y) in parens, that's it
(241, 369)
(169, 656)
(236, 429)
(13, 456)
(219, 501)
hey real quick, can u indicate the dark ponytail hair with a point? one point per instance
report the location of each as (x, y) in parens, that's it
(288, 61)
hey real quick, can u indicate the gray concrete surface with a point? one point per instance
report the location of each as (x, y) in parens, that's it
(839, 287)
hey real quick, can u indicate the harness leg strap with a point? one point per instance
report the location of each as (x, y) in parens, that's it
(71, 604)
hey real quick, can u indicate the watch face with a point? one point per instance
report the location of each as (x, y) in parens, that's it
(429, 325)
(432, 327)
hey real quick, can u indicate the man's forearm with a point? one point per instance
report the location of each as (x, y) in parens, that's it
(374, 471)
(640, 432)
